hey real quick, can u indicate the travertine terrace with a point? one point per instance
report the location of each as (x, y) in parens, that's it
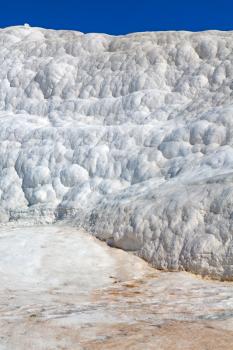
(128, 136)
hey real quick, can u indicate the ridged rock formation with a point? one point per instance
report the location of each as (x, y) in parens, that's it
(132, 136)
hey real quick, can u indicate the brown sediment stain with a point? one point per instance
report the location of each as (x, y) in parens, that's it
(141, 335)
(133, 284)
(123, 293)
(114, 294)
(169, 336)
(128, 289)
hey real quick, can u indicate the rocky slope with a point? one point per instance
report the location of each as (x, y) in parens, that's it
(131, 136)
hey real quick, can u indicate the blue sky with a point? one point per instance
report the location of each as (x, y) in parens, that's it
(119, 16)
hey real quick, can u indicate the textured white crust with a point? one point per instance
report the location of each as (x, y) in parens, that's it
(131, 136)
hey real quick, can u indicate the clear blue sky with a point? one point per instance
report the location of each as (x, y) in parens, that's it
(119, 16)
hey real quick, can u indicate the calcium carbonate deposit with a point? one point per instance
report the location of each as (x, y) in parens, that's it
(130, 137)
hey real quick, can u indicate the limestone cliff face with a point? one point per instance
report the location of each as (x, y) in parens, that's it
(133, 135)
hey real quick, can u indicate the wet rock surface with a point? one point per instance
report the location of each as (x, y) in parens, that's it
(63, 289)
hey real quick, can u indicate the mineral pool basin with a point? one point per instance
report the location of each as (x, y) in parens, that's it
(60, 288)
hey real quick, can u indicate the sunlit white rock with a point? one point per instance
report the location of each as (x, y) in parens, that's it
(132, 134)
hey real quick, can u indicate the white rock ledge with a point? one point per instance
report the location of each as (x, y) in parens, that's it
(130, 136)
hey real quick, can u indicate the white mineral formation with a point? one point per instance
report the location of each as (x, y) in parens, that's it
(131, 136)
